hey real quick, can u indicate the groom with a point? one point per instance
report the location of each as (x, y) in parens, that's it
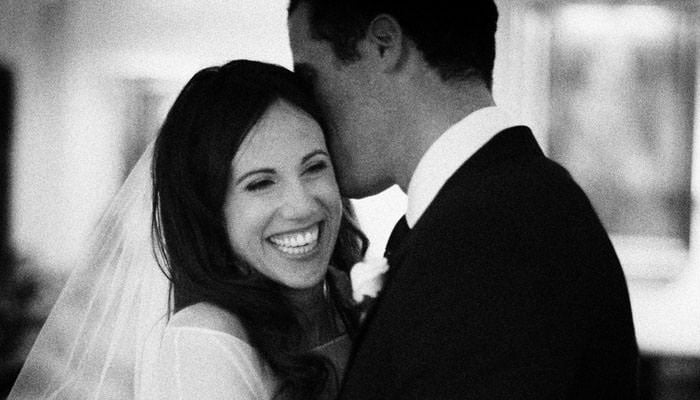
(503, 284)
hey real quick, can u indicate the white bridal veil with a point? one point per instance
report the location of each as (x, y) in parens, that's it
(102, 335)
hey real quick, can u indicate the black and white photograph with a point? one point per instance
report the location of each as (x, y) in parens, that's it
(349, 200)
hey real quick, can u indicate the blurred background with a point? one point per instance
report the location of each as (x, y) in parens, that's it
(609, 87)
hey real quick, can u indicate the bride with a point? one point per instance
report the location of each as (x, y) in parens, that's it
(220, 269)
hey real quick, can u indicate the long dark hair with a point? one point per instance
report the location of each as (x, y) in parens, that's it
(191, 169)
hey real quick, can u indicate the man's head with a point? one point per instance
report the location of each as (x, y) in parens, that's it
(358, 55)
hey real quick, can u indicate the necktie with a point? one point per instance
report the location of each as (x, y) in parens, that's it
(397, 236)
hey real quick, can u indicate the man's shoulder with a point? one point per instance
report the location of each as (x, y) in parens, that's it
(510, 186)
(536, 202)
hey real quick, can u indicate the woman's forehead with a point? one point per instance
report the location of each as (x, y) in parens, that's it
(283, 131)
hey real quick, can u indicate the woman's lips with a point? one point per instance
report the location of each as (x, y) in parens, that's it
(297, 243)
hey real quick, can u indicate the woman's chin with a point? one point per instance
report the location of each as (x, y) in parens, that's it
(308, 282)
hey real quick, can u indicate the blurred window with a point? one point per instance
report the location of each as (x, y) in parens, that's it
(622, 106)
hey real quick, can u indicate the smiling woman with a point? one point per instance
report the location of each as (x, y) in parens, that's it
(251, 231)
(283, 206)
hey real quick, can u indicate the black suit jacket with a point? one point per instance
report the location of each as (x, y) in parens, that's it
(506, 288)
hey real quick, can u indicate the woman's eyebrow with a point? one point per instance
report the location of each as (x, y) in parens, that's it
(314, 153)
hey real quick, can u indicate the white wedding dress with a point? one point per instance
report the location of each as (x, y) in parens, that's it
(198, 363)
(204, 355)
(200, 357)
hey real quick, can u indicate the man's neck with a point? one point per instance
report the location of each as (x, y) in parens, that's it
(428, 117)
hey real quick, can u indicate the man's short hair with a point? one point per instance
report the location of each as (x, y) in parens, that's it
(457, 38)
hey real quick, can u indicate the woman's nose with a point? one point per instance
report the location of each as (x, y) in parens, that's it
(299, 202)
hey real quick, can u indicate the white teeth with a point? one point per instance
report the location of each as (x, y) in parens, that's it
(296, 243)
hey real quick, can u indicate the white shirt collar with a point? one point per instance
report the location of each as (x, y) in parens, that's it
(455, 146)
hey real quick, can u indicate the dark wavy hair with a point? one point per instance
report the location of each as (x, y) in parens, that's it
(191, 169)
(457, 38)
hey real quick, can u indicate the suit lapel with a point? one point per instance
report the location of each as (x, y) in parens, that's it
(508, 145)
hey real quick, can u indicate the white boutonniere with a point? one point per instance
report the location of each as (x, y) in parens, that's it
(367, 279)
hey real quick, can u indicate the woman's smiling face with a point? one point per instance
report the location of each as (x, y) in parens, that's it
(283, 206)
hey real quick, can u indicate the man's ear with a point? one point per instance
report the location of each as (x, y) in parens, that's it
(386, 41)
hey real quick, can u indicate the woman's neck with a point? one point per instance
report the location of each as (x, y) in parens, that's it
(315, 312)
(307, 300)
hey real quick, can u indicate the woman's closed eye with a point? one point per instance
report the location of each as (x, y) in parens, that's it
(258, 185)
(317, 166)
